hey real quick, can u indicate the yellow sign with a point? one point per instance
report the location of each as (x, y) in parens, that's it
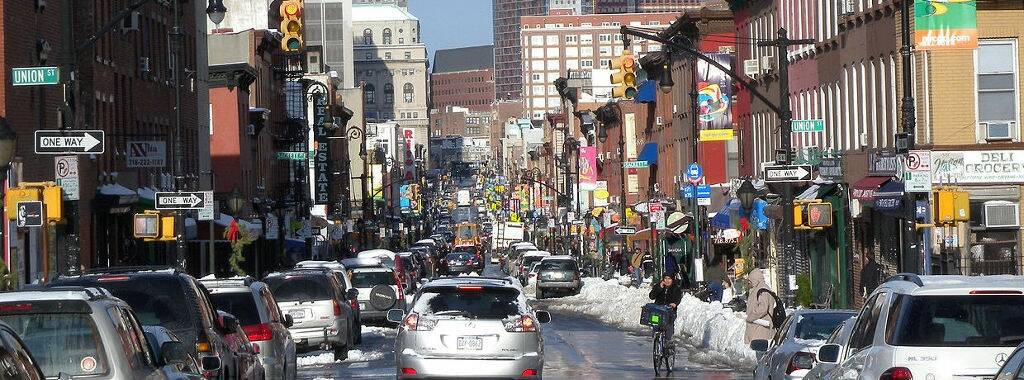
(15, 195)
(716, 134)
(601, 194)
(740, 264)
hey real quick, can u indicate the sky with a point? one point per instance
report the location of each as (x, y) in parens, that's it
(446, 24)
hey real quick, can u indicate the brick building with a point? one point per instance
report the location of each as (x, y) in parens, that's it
(463, 77)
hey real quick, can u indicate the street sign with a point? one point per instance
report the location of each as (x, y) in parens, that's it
(687, 192)
(787, 173)
(704, 191)
(918, 175)
(703, 201)
(715, 135)
(65, 169)
(694, 173)
(291, 156)
(180, 201)
(815, 125)
(636, 165)
(206, 213)
(146, 154)
(831, 169)
(654, 207)
(625, 230)
(73, 141)
(35, 76)
(30, 214)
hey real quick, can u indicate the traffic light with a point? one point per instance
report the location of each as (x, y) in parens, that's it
(819, 214)
(147, 225)
(952, 206)
(291, 26)
(798, 215)
(624, 79)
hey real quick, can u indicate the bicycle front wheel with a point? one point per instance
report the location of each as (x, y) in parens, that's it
(659, 350)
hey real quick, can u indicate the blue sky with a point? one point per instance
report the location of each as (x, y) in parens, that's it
(448, 24)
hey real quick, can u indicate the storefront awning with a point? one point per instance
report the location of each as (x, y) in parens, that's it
(865, 188)
(649, 153)
(117, 195)
(816, 191)
(646, 92)
(889, 198)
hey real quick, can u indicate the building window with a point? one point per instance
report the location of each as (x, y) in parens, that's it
(369, 56)
(389, 93)
(605, 38)
(368, 93)
(407, 91)
(367, 37)
(387, 55)
(408, 55)
(996, 67)
(401, 40)
(386, 36)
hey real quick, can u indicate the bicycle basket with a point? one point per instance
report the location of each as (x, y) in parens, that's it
(653, 314)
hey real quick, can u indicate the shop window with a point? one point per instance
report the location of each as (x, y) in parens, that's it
(995, 233)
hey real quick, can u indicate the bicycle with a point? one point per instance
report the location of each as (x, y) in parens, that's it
(663, 354)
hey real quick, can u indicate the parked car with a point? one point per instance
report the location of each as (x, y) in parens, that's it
(558, 275)
(156, 337)
(934, 327)
(823, 371)
(456, 263)
(246, 360)
(379, 291)
(168, 297)
(252, 303)
(88, 333)
(351, 295)
(791, 353)
(469, 327)
(526, 264)
(321, 316)
(16, 362)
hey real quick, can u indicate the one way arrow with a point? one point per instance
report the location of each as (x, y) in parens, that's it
(178, 201)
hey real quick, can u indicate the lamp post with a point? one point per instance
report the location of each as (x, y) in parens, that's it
(746, 193)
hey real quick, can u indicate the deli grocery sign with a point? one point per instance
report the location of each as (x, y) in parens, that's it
(965, 167)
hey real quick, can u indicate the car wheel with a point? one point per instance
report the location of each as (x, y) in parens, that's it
(340, 352)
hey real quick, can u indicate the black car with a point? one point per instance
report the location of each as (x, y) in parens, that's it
(16, 362)
(458, 262)
(168, 297)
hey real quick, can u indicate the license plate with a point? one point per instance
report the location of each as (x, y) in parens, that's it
(297, 314)
(469, 343)
(557, 275)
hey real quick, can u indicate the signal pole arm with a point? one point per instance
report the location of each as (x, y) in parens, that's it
(117, 19)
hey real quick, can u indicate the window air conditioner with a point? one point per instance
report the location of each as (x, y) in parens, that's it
(130, 23)
(751, 67)
(998, 130)
(1002, 214)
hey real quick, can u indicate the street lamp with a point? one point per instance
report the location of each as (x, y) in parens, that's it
(746, 193)
(666, 82)
(215, 9)
(236, 202)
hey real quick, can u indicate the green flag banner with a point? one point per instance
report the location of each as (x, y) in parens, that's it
(945, 24)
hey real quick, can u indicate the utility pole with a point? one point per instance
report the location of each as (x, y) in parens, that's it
(782, 44)
(909, 253)
(177, 37)
(694, 133)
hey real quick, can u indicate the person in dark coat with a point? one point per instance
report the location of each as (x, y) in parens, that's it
(870, 276)
(667, 293)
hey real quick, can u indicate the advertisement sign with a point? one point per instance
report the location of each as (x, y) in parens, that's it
(146, 154)
(978, 167)
(945, 24)
(65, 169)
(405, 201)
(588, 168)
(883, 163)
(714, 92)
(831, 169)
(601, 194)
(409, 171)
(322, 157)
(918, 176)
(716, 135)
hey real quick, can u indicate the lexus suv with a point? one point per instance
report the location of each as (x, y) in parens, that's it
(933, 327)
(469, 327)
(321, 315)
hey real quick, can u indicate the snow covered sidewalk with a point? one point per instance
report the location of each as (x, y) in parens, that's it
(713, 334)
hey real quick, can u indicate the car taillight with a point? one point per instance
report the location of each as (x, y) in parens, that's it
(995, 292)
(337, 308)
(202, 347)
(408, 371)
(258, 332)
(413, 322)
(523, 323)
(897, 373)
(800, 360)
(529, 372)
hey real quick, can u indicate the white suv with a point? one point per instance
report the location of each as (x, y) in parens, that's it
(933, 327)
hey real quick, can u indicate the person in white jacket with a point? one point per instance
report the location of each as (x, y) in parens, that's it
(759, 309)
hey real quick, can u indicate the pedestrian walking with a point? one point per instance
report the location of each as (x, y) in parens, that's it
(760, 305)
(715, 276)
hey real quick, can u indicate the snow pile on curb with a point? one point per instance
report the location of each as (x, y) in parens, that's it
(714, 333)
(324, 358)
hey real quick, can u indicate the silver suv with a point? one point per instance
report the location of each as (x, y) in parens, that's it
(558, 274)
(316, 303)
(469, 327)
(86, 332)
(257, 312)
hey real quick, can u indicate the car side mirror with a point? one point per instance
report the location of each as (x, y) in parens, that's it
(424, 281)
(352, 294)
(829, 353)
(211, 364)
(759, 345)
(288, 320)
(396, 315)
(543, 317)
(173, 353)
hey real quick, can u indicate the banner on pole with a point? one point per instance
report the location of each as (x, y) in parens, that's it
(588, 168)
(945, 24)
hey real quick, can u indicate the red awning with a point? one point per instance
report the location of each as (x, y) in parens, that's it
(865, 188)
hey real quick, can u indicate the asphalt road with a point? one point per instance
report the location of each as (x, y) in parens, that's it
(575, 348)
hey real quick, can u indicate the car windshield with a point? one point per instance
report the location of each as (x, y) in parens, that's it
(470, 302)
(240, 304)
(299, 288)
(956, 321)
(369, 279)
(818, 326)
(157, 301)
(67, 343)
(564, 265)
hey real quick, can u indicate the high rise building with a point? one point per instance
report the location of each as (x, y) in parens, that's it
(508, 66)
(329, 24)
(463, 77)
(641, 6)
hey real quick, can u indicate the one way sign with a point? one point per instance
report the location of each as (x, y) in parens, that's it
(69, 142)
(180, 201)
(787, 173)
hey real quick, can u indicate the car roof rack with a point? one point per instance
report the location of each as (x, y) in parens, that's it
(94, 292)
(502, 279)
(909, 277)
(129, 269)
(245, 281)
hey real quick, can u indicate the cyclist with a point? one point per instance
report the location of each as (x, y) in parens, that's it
(667, 293)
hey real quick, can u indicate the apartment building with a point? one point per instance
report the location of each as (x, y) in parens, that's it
(508, 66)
(463, 77)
